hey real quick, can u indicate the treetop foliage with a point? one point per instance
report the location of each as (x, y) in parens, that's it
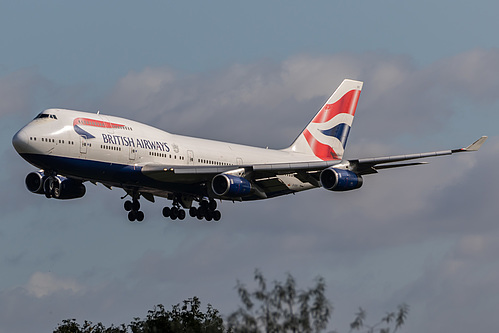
(186, 318)
(281, 308)
(276, 308)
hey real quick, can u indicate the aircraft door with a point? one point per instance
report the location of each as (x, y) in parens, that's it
(190, 157)
(133, 153)
(83, 145)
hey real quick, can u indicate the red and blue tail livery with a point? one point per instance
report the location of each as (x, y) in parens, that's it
(326, 135)
(70, 148)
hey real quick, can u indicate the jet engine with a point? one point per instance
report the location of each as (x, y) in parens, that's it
(34, 182)
(230, 186)
(58, 187)
(340, 180)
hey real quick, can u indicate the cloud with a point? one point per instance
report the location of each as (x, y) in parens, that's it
(43, 284)
(278, 99)
(471, 75)
(18, 91)
(430, 229)
(458, 292)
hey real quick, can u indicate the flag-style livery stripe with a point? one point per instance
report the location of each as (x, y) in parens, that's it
(78, 122)
(345, 105)
(322, 151)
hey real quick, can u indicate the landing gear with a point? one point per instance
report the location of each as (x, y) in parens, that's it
(207, 210)
(132, 207)
(135, 215)
(175, 212)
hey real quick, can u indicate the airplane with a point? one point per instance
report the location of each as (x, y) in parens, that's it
(72, 147)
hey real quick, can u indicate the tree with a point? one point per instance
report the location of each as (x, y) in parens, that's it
(280, 309)
(186, 318)
(71, 326)
(283, 308)
(396, 318)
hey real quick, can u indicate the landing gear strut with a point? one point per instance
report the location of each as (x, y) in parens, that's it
(174, 212)
(132, 207)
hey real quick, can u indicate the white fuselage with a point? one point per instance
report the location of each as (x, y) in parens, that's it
(118, 141)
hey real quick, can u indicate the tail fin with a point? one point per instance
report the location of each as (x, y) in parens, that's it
(326, 135)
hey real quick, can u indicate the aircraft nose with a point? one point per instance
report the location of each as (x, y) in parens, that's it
(20, 141)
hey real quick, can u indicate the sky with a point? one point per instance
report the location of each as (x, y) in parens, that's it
(256, 73)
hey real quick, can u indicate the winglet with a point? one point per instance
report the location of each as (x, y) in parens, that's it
(475, 145)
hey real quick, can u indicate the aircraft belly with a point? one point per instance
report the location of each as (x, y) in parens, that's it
(170, 176)
(111, 174)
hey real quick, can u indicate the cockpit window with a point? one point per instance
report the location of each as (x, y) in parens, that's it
(46, 115)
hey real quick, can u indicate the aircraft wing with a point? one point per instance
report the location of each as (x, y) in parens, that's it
(276, 179)
(271, 179)
(371, 165)
(192, 174)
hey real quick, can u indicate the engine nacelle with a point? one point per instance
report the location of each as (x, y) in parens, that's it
(230, 186)
(340, 180)
(34, 182)
(60, 187)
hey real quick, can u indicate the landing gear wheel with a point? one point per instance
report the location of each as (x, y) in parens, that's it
(136, 205)
(140, 216)
(203, 204)
(208, 216)
(128, 205)
(217, 215)
(174, 213)
(181, 214)
(131, 216)
(212, 205)
(193, 212)
(166, 211)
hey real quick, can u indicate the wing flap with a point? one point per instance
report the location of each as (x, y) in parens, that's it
(181, 174)
(291, 167)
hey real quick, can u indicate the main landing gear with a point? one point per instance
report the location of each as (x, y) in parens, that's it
(207, 210)
(132, 207)
(174, 212)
